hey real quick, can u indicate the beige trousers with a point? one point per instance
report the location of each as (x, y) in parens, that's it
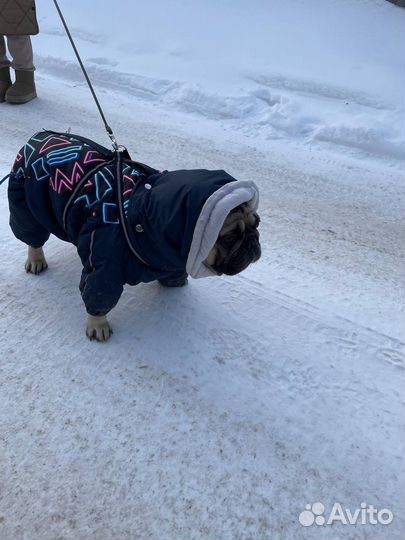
(20, 49)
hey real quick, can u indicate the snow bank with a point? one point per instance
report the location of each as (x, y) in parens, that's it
(310, 71)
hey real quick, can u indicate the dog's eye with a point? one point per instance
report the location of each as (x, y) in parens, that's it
(229, 239)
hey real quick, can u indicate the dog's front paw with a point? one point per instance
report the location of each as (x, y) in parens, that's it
(36, 262)
(98, 328)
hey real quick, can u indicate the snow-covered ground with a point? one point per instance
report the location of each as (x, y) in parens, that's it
(310, 70)
(222, 409)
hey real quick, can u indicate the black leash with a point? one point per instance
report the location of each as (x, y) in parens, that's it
(107, 127)
(7, 177)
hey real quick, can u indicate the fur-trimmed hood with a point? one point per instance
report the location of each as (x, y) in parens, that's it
(211, 220)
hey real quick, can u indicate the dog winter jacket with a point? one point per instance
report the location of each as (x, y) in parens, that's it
(149, 225)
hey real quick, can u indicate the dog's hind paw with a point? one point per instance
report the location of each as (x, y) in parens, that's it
(36, 262)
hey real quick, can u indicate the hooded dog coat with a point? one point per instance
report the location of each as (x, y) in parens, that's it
(150, 225)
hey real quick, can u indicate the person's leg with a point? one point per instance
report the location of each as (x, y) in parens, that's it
(4, 61)
(23, 90)
(20, 48)
(5, 79)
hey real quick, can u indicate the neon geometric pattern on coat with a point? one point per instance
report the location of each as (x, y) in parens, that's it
(100, 188)
(54, 142)
(60, 180)
(64, 155)
(40, 169)
(110, 213)
(93, 156)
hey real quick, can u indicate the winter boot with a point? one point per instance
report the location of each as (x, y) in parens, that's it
(5, 82)
(175, 281)
(23, 90)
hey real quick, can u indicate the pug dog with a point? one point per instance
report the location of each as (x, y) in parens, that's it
(131, 223)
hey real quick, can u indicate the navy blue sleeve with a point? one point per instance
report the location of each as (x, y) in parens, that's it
(101, 248)
(22, 221)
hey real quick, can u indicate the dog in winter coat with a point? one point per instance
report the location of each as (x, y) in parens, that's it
(131, 223)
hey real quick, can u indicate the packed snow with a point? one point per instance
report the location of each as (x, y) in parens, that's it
(222, 409)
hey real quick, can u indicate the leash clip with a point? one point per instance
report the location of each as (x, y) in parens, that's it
(114, 142)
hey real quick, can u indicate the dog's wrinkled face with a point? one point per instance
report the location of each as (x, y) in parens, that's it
(238, 243)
